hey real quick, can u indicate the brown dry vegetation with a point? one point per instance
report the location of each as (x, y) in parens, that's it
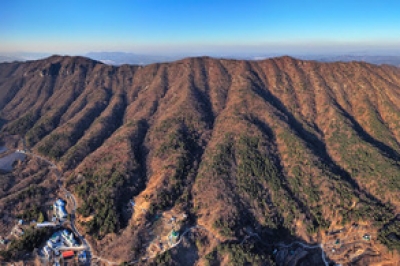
(26, 193)
(284, 146)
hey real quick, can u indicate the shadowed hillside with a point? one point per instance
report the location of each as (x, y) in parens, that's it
(285, 147)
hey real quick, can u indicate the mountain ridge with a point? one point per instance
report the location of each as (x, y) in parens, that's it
(283, 146)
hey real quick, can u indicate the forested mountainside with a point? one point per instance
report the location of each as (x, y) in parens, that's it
(282, 147)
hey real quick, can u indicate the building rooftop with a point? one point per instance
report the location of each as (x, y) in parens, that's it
(68, 254)
(60, 202)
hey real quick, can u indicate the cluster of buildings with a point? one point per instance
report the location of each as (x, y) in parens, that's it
(60, 240)
(62, 244)
(60, 214)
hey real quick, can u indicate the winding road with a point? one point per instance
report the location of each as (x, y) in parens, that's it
(85, 245)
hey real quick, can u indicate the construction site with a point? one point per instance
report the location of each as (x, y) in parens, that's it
(164, 232)
(354, 244)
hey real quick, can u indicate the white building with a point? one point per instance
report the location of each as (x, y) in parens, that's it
(82, 256)
(59, 209)
(55, 238)
(51, 244)
(60, 202)
(69, 238)
(45, 224)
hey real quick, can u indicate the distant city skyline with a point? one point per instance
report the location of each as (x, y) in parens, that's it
(208, 27)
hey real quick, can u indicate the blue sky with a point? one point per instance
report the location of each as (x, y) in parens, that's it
(200, 26)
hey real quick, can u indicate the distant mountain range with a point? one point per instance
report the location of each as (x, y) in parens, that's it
(8, 58)
(121, 58)
(372, 59)
(22, 56)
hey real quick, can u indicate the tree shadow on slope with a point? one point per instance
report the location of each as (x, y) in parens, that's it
(263, 247)
(384, 149)
(2, 123)
(312, 142)
(137, 181)
(263, 127)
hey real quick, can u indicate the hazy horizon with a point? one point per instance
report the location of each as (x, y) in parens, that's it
(199, 27)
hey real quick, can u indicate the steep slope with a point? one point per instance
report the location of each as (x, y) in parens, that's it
(285, 147)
